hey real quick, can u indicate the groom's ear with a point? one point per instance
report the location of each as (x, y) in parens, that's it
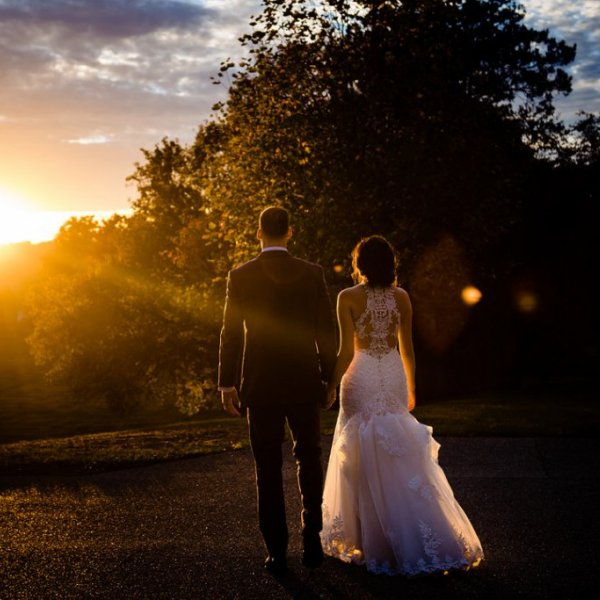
(289, 233)
(259, 234)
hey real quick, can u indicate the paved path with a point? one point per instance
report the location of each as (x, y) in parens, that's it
(187, 529)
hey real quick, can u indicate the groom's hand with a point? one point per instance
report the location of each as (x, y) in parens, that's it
(231, 402)
(330, 398)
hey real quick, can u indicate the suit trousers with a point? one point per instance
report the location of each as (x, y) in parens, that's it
(267, 433)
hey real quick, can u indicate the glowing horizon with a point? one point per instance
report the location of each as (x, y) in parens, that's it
(21, 221)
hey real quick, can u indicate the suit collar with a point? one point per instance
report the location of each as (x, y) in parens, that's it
(275, 253)
(274, 249)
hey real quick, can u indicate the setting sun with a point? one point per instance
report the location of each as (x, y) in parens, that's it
(22, 221)
(17, 223)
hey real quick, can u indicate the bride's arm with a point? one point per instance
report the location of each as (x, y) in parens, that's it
(346, 348)
(406, 344)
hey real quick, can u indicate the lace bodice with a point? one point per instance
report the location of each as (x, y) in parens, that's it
(377, 327)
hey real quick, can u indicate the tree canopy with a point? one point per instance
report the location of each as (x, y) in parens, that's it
(423, 120)
(415, 119)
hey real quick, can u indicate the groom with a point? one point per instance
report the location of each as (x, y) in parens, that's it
(278, 349)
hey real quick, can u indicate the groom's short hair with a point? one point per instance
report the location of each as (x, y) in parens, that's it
(274, 221)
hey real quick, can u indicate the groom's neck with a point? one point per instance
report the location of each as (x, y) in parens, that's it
(282, 243)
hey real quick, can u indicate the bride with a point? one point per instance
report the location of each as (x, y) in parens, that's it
(386, 503)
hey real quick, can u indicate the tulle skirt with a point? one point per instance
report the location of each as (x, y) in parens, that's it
(387, 503)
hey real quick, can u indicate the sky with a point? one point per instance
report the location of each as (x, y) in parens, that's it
(84, 84)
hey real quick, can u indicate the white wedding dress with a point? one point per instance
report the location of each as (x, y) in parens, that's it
(387, 503)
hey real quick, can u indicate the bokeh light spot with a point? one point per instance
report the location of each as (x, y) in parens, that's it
(526, 301)
(470, 295)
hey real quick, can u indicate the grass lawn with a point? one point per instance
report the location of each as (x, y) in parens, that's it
(498, 414)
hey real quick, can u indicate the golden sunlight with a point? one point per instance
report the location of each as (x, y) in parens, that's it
(16, 221)
(22, 221)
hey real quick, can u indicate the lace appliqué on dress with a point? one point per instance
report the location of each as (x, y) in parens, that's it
(333, 541)
(379, 322)
(468, 552)
(341, 445)
(389, 442)
(334, 544)
(426, 491)
(430, 542)
(381, 386)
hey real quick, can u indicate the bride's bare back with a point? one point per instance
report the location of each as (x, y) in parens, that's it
(376, 320)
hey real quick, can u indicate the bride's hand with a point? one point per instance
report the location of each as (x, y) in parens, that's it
(411, 401)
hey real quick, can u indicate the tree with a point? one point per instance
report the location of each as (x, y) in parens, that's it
(424, 121)
(406, 118)
(109, 327)
(420, 120)
(583, 141)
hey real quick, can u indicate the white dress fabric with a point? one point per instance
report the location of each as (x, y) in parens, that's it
(387, 503)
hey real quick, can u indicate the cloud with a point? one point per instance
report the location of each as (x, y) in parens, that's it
(116, 62)
(91, 139)
(46, 42)
(127, 66)
(575, 23)
(107, 19)
(86, 83)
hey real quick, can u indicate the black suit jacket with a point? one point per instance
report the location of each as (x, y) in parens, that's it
(278, 336)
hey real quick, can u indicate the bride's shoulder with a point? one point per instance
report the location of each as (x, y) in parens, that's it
(351, 292)
(402, 296)
(350, 295)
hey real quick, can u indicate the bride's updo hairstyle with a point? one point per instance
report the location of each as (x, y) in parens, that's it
(374, 260)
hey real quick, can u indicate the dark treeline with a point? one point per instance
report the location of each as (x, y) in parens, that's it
(430, 122)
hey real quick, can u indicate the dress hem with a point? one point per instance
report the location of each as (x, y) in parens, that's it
(440, 567)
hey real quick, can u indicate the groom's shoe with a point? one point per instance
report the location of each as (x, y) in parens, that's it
(276, 564)
(312, 556)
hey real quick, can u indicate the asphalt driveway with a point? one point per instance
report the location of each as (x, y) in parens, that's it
(187, 529)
